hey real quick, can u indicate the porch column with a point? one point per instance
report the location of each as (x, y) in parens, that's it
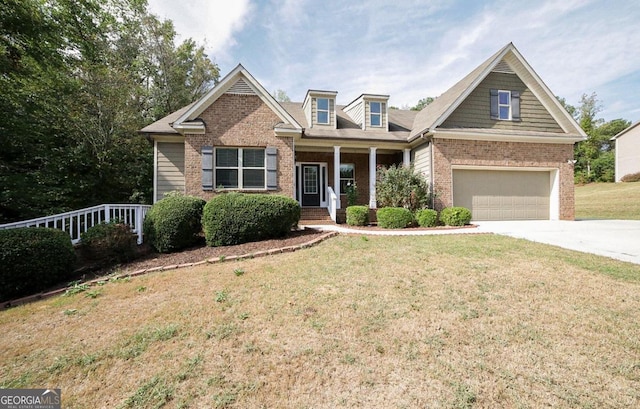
(406, 158)
(372, 178)
(336, 174)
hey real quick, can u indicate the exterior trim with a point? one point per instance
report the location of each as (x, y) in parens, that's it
(511, 137)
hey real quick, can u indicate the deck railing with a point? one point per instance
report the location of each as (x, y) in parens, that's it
(333, 204)
(79, 221)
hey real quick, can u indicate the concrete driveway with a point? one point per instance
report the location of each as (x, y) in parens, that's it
(618, 239)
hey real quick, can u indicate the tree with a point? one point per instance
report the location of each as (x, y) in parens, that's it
(422, 103)
(281, 96)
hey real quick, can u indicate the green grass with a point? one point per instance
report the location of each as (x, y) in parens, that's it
(392, 322)
(608, 201)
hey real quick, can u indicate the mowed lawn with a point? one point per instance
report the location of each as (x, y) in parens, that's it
(608, 201)
(355, 322)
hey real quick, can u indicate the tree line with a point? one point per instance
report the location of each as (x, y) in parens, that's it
(78, 79)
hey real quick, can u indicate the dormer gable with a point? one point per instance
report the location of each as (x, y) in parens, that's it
(369, 111)
(320, 109)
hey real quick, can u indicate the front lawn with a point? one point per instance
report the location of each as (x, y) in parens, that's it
(608, 201)
(373, 322)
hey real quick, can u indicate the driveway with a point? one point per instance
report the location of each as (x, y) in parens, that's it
(618, 239)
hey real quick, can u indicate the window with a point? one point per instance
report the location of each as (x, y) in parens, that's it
(375, 113)
(240, 168)
(504, 105)
(347, 176)
(322, 110)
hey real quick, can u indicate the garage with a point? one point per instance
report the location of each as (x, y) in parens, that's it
(503, 194)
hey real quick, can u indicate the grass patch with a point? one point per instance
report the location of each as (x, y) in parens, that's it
(608, 201)
(435, 321)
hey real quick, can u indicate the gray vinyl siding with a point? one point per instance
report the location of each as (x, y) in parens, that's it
(356, 113)
(421, 159)
(170, 175)
(628, 153)
(474, 112)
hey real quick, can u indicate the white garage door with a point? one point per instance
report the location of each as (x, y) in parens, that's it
(503, 194)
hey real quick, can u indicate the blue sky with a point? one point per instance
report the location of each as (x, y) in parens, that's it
(414, 49)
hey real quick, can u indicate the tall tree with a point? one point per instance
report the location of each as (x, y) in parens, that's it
(422, 103)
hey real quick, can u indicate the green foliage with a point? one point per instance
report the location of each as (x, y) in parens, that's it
(455, 216)
(394, 217)
(33, 259)
(109, 243)
(422, 103)
(427, 217)
(632, 177)
(400, 186)
(235, 218)
(603, 168)
(357, 215)
(174, 223)
(352, 194)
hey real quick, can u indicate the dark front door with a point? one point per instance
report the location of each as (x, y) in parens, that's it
(310, 185)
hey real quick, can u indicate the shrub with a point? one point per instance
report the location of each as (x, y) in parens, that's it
(455, 216)
(632, 177)
(235, 218)
(427, 217)
(394, 217)
(399, 186)
(174, 223)
(357, 215)
(33, 259)
(109, 243)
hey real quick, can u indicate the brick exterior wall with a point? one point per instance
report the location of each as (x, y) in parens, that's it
(238, 121)
(449, 152)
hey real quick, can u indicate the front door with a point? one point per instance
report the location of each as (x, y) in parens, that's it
(310, 185)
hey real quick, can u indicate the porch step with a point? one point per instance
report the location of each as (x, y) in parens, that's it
(315, 213)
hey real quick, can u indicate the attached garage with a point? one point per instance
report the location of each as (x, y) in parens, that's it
(505, 194)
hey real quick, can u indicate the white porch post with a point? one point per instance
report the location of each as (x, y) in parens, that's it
(372, 178)
(336, 174)
(406, 158)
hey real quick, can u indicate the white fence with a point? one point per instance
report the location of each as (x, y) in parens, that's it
(79, 221)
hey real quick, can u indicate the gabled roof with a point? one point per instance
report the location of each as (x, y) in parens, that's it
(624, 131)
(163, 125)
(434, 114)
(185, 121)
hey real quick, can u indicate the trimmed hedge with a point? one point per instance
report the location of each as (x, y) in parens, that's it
(394, 217)
(235, 218)
(427, 217)
(33, 259)
(108, 243)
(357, 215)
(174, 223)
(455, 216)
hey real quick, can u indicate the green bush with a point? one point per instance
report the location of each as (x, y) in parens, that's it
(427, 217)
(632, 177)
(234, 218)
(455, 216)
(108, 243)
(33, 259)
(394, 217)
(357, 215)
(174, 223)
(399, 186)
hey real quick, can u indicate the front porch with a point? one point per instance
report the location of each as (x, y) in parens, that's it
(322, 175)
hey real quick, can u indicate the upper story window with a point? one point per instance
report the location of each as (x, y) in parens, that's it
(322, 110)
(505, 105)
(375, 112)
(240, 168)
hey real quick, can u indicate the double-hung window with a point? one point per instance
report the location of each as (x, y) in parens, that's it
(347, 176)
(240, 168)
(375, 113)
(322, 110)
(505, 105)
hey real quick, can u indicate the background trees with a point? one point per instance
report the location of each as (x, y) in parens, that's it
(79, 78)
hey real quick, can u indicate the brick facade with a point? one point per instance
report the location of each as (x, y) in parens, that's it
(238, 121)
(451, 152)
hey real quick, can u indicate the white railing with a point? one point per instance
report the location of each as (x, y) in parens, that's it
(333, 203)
(79, 221)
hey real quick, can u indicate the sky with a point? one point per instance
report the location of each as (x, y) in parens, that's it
(410, 50)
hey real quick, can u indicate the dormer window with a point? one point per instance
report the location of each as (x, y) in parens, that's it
(375, 109)
(322, 110)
